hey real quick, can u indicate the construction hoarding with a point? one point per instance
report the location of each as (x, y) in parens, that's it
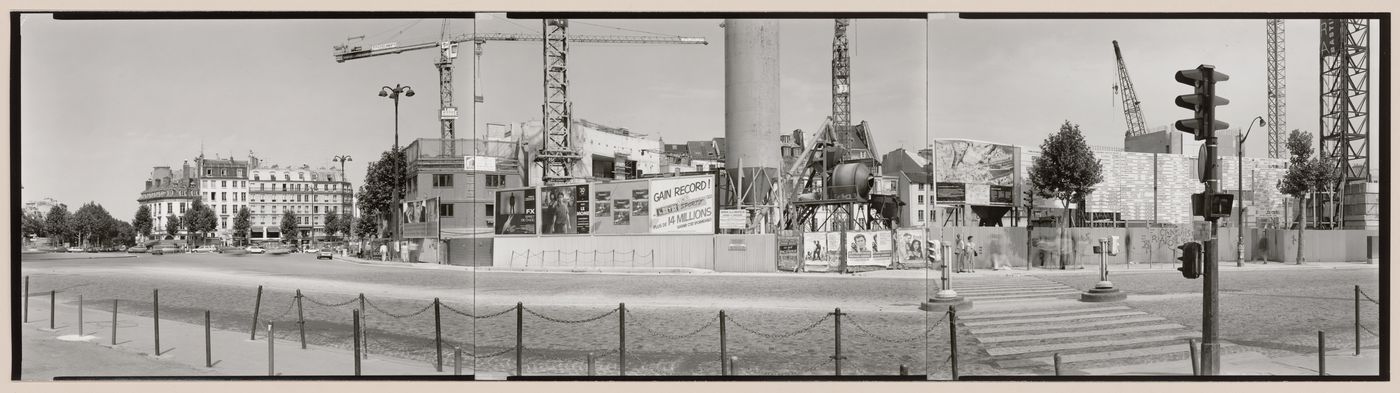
(676, 205)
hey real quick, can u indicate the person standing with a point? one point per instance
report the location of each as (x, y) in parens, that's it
(969, 252)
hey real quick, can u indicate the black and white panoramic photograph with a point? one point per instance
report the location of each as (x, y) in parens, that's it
(459, 197)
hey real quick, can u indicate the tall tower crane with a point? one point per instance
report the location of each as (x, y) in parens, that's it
(840, 76)
(1278, 86)
(1132, 109)
(558, 157)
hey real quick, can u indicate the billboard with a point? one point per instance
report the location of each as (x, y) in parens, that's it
(973, 172)
(683, 205)
(607, 197)
(869, 248)
(821, 251)
(564, 209)
(911, 246)
(515, 212)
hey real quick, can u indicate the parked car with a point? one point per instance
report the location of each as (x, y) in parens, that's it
(255, 250)
(325, 253)
(278, 251)
(136, 249)
(204, 249)
(75, 249)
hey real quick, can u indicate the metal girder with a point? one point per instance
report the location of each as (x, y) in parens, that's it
(841, 77)
(1132, 108)
(447, 53)
(1278, 89)
(557, 154)
(1345, 100)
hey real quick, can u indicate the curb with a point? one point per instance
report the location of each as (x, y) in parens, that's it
(31, 257)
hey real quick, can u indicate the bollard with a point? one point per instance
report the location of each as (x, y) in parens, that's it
(155, 310)
(257, 306)
(953, 340)
(519, 339)
(1356, 321)
(80, 315)
(733, 365)
(26, 299)
(1057, 364)
(456, 360)
(114, 322)
(903, 370)
(355, 320)
(270, 369)
(837, 355)
(1321, 353)
(208, 347)
(622, 339)
(1195, 360)
(53, 303)
(723, 346)
(301, 320)
(437, 331)
(364, 327)
(589, 362)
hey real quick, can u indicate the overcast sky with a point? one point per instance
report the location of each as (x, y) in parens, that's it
(119, 97)
(1016, 81)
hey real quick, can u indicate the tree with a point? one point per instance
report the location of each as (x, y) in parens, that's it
(92, 224)
(332, 224)
(346, 223)
(199, 220)
(125, 234)
(57, 224)
(241, 224)
(32, 224)
(172, 225)
(289, 226)
(1066, 170)
(142, 223)
(1304, 176)
(376, 195)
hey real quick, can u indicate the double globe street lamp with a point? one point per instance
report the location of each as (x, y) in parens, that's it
(393, 93)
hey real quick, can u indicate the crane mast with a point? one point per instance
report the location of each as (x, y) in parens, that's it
(447, 52)
(1132, 109)
(840, 76)
(557, 155)
(1278, 86)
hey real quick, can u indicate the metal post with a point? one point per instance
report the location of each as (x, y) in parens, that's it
(1057, 364)
(903, 370)
(1356, 320)
(208, 345)
(733, 365)
(1195, 358)
(80, 315)
(723, 345)
(1210, 318)
(437, 331)
(53, 303)
(519, 337)
(364, 327)
(1321, 353)
(456, 360)
(953, 340)
(155, 308)
(301, 320)
(26, 299)
(270, 368)
(257, 306)
(114, 322)
(837, 357)
(355, 320)
(622, 339)
(589, 361)
(1239, 184)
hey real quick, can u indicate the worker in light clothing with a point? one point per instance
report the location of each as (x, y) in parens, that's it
(967, 251)
(383, 253)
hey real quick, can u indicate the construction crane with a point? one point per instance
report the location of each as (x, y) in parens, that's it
(840, 76)
(1278, 86)
(1132, 109)
(558, 156)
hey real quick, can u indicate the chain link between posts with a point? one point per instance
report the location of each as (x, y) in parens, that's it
(570, 321)
(1368, 298)
(866, 332)
(371, 304)
(1368, 330)
(469, 315)
(324, 304)
(490, 355)
(654, 332)
(779, 336)
(288, 310)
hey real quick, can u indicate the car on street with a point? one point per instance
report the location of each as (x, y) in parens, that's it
(204, 250)
(255, 250)
(136, 249)
(325, 253)
(75, 249)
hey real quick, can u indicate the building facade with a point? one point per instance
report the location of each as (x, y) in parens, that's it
(168, 193)
(223, 184)
(451, 192)
(308, 193)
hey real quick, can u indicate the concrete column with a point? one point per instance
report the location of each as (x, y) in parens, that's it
(751, 93)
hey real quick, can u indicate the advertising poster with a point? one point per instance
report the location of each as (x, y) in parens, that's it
(605, 196)
(621, 218)
(515, 212)
(560, 211)
(789, 249)
(601, 203)
(869, 248)
(980, 166)
(815, 255)
(640, 205)
(683, 205)
(911, 245)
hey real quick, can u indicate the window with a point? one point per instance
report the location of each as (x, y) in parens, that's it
(168, 205)
(445, 210)
(243, 196)
(921, 215)
(224, 223)
(223, 171)
(284, 187)
(921, 199)
(213, 196)
(316, 210)
(182, 208)
(262, 186)
(223, 196)
(223, 184)
(490, 210)
(301, 175)
(442, 180)
(223, 209)
(256, 177)
(495, 181)
(209, 172)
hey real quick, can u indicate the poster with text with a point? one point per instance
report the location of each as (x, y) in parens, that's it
(911, 245)
(605, 197)
(559, 210)
(869, 248)
(683, 205)
(515, 212)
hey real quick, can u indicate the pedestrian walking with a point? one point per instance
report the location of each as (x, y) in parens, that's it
(383, 253)
(968, 252)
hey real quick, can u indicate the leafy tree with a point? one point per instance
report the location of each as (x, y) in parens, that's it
(1304, 176)
(289, 226)
(172, 225)
(346, 223)
(93, 224)
(367, 226)
(1066, 170)
(332, 224)
(125, 234)
(142, 223)
(241, 224)
(32, 224)
(199, 220)
(376, 195)
(57, 224)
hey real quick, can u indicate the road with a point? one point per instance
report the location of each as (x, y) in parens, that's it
(778, 323)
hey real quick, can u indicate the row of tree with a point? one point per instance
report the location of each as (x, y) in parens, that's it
(90, 226)
(199, 221)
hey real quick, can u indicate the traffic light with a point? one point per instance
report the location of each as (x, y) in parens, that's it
(1203, 101)
(1212, 206)
(1191, 255)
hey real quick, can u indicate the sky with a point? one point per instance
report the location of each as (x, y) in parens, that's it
(120, 97)
(1017, 81)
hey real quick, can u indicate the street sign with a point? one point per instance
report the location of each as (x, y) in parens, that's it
(733, 219)
(478, 163)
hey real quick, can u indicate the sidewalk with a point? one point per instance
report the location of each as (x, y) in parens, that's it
(561, 269)
(60, 352)
(1121, 269)
(56, 256)
(1339, 362)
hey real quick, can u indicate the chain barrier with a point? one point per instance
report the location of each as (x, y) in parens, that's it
(290, 305)
(469, 315)
(371, 304)
(309, 299)
(490, 355)
(654, 332)
(780, 336)
(817, 368)
(1368, 330)
(1368, 298)
(568, 321)
(865, 332)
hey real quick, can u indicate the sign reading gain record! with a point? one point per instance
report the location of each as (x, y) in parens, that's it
(674, 205)
(683, 205)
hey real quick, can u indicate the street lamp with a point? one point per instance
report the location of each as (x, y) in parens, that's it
(1239, 170)
(343, 202)
(393, 94)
